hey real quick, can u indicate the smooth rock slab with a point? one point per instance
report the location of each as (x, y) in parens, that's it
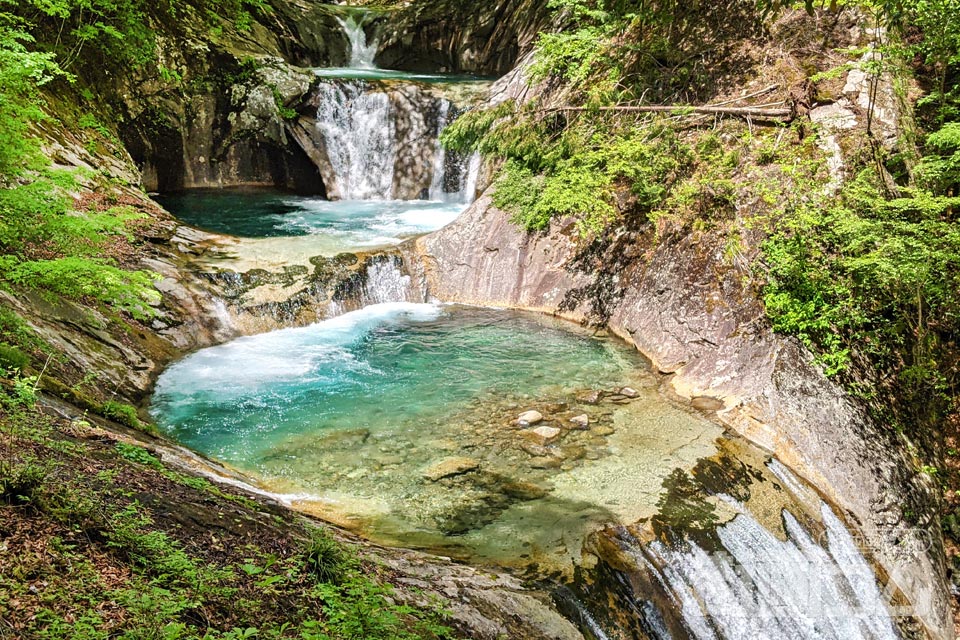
(528, 418)
(706, 403)
(449, 467)
(544, 435)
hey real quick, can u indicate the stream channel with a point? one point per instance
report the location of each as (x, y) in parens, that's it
(398, 420)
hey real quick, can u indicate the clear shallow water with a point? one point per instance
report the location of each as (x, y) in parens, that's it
(383, 367)
(352, 413)
(266, 213)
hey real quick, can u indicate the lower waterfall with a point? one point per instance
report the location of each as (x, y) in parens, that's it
(758, 586)
(738, 554)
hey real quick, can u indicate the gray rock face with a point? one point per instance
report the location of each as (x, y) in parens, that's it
(688, 310)
(461, 37)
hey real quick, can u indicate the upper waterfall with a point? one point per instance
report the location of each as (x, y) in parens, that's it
(380, 141)
(362, 51)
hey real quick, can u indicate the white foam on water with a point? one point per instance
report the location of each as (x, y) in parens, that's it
(364, 223)
(256, 362)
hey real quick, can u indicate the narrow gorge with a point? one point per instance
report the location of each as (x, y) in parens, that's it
(433, 320)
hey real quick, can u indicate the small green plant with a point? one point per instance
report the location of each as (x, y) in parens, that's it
(23, 482)
(139, 455)
(12, 358)
(325, 558)
(285, 112)
(121, 412)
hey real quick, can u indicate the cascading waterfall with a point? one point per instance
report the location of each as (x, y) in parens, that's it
(799, 576)
(381, 280)
(362, 53)
(385, 282)
(382, 142)
(379, 130)
(758, 586)
(359, 134)
(454, 176)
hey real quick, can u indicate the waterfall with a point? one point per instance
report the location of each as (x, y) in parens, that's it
(454, 177)
(439, 156)
(359, 134)
(361, 53)
(381, 142)
(380, 280)
(386, 283)
(758, 586)
(740, 549)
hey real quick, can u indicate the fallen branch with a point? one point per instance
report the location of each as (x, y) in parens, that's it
(784, 114)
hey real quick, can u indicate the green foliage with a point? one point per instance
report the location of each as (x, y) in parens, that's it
(939, 171)
(15, 331)
(12, 358)
(161, 581)
(152, 551)
(873, 276)
(23, 482)
(285, 112)
(23, 392)
(22, 73)
(940, 49)
(51, 248)
(139, 455)
(573, 171)
(573, 54)
(89, 278)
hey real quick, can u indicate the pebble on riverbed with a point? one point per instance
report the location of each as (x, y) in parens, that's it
(591, 398)
(580, 422)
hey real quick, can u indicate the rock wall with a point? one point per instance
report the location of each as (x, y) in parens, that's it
(449, 36)
(211, 112)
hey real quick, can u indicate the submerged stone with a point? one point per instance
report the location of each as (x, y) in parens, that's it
(591, 398)
(449, 467)
(528, 418)
(580, 422)
(543, 435)
(629, 392)
(706, 403)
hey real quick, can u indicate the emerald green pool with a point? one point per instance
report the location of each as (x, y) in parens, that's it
(351, 417)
